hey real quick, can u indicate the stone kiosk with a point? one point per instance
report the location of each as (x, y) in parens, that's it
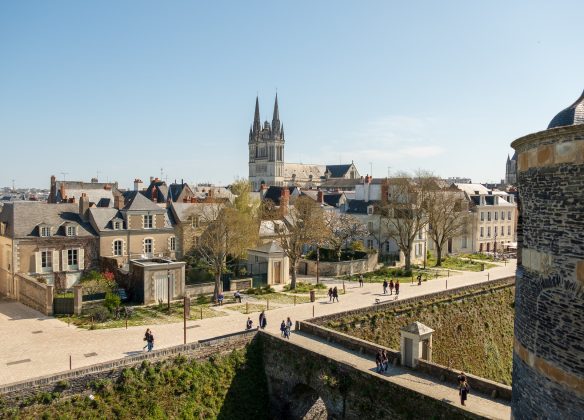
(416, 343)
(548, 351)
(271, 261)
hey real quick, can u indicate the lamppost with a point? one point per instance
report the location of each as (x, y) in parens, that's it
(168, 280)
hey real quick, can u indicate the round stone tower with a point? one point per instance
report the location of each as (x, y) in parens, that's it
(548, 353)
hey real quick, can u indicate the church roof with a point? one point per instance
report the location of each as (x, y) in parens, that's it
(303, 171)
(573, 115)
(338, 171)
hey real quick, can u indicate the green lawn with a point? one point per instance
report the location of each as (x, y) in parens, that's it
(464, 264)
(301, 287)
(144, 315)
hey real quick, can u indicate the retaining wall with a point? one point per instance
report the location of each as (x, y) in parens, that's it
(36, 295)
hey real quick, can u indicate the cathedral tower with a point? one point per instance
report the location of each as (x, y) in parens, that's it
(266, 149)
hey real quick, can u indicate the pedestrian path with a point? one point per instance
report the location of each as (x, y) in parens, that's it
(35, 345)
(478, 404)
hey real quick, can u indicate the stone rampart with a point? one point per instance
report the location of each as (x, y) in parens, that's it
(78, 380)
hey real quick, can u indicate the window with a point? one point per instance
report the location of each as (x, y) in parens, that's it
(45, 231)
(496, 213)
(509, 215)
(502, 215)
(502, 230)
(482, 216)
(509, 230)
(463, 242)
(420, 235)
(148, 246)
(488, 216)
(370, 210)
(72, 257)
(194, 222)
(172, 243)
(148, 221)
(488, 232)
(118, 248)
(117, 225)
(370, 243)
(495, 230)
(47, 260)
(71, 230)
(370, 226)
(482, 232)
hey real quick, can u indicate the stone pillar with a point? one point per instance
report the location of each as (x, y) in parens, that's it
(548, 356)
(49, 302)
(77, 299)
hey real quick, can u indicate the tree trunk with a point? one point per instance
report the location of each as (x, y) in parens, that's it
(339, 252)
(294, 269)
(438, 255)
(217, 287)
(408, 260)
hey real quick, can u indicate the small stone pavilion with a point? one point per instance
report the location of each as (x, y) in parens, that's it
(269, 260)
(416, 343)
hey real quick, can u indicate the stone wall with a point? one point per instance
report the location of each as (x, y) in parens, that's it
(548, 369)
(79, 380)
(33, 294)
(445, 294)
(295, 374)
(341, 268)
(194, 290)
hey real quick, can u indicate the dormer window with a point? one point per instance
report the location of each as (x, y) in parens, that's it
(117, 225)
(45, 231)
(369, 209)
(71, 230)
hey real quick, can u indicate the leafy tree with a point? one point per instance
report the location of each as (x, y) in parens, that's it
(304, 226)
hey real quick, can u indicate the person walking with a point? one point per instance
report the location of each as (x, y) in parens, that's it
(146, 337)
(360, 280)
(237, 296)
(391, 287)
(378, 358)
(263, 322)
(249, 324)
(384, 287)
(384, 361)
(397, 287)
(330, 293)
(335, 294)
(150, 341)
(283, 328)
(288, 327)
(463, 392)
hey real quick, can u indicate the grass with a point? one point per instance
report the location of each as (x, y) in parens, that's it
(302, 287)
(457, 263)
(394, 273)
(145, 315)
(478, 256)
(471, 333)
(222, 387)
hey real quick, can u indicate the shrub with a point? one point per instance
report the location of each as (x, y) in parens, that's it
(112, 301)
(202, 299)
(99, 313)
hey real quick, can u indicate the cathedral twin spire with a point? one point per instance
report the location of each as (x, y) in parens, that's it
(276, 130)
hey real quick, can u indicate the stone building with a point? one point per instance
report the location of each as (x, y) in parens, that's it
(548, 354)
(100, 194)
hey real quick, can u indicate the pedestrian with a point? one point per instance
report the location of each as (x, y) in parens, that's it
(237, 296)
(263, 322)
(384, 361)
(360, 280)
(461, 379)
(283, 329)
(249, 324)
(391, 287)
(335, 294)
(419, 279)
(330, 293)
(463, 392)
(378, 360)
(150, 341)
(384, 287)
(220, 298)
(288, 327)
(146, 336)
(397, 287)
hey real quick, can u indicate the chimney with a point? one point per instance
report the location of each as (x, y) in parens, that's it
(154, 194)
(53, 194)
(138, 184)
(366, 187)
(320, 197)
(384, 192)
(107, 187)
(118, 201)
(62, 191)
(210, 194)
(284, 201)
(83, 207)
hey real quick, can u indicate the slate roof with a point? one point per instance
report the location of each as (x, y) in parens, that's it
(359, 206)
(183, 211)
(333, 199)
(161, 191)
(103, 216)
(303, 171)
(274, 193)
(330, 184)
(136, 201)
(23, 218)
(338, 171)
(269, 248)
(573, 115)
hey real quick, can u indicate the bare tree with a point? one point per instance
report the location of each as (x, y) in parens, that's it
(448, 217)
(304, 226)
(405, 210)
(343, 229)
(229, 231)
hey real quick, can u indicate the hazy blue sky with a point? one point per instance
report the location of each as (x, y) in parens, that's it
(129, 87)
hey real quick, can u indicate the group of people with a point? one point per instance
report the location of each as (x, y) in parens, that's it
(333, 293)
(392, 286)
(382, 361)
(286, 327)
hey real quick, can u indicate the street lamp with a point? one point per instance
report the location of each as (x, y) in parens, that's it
(168, 280)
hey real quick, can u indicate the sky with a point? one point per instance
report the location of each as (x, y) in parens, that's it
(133, 89)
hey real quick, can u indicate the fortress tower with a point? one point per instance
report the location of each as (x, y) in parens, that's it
(266, 150)
(548, 353)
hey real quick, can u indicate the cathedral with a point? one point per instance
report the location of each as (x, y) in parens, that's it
(266, 158)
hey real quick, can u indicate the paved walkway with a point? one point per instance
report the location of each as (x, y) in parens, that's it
(477, 403)
(34, 345)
